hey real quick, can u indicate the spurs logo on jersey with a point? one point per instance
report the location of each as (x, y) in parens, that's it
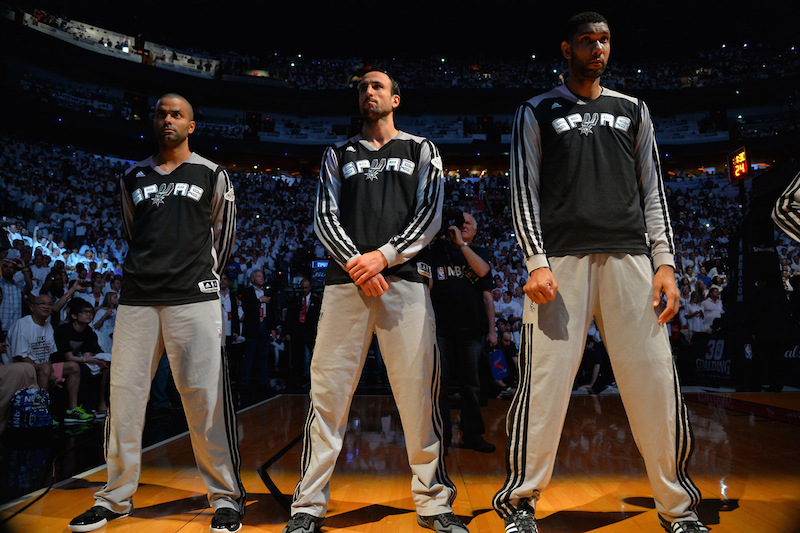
(588, 121)
(158, 193)
(375, 167)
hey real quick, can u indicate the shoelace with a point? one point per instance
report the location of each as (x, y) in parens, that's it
(448, 520)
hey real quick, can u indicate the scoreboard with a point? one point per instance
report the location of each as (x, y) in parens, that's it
(738, 165)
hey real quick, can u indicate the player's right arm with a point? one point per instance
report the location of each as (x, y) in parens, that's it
(127, 209)
(526, 158)
(327, 225)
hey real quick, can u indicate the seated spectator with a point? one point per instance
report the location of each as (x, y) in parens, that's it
(77, 342)
(31, 342)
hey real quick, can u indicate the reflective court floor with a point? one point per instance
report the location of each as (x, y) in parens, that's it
(746, 463)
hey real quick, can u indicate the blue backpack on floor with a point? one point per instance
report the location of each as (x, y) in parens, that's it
(30, 408)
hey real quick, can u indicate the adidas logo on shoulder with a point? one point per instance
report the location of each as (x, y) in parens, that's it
(140, 174)
(350, 148)
(555, 105)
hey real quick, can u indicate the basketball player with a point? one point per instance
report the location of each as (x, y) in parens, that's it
(378, 204)
(179, 216)
(590, 215)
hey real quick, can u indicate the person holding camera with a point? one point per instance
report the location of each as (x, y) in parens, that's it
(462, 301)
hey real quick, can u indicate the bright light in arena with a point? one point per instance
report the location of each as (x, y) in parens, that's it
(443, 60)
(724, 45)
(533, 56)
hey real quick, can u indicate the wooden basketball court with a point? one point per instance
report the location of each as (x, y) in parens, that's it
(746, 463)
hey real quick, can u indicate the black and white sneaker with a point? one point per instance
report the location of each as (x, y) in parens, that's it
(443, 523)
(522, 521)
(303, 523)
(94, 518)
(684, 526)
(226, 520)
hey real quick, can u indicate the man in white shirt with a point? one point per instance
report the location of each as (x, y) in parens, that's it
(712, 307)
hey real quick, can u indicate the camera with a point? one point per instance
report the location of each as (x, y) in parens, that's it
(451, 217)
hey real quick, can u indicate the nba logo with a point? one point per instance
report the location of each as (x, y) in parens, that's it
(440, 273)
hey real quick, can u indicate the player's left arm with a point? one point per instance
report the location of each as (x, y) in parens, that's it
(223, 218)
(419, 232)
(656, 215)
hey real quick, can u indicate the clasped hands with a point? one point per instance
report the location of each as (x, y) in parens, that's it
(365, 271)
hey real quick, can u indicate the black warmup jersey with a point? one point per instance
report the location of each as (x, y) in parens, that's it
(586, 177)
(387, 199)
(180, 229)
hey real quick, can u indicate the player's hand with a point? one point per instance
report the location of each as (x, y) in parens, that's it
(455, 234)
(365, 267)
(664, 283)
(375, 286)
(541, 286)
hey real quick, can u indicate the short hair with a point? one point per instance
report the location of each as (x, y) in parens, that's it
(395, 85)
(176, 96)
(586, 17)
(76, 305)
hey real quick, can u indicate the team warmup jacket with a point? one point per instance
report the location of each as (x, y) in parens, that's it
(386, 199)
(180, 228)
(786, 212)
(563, 197)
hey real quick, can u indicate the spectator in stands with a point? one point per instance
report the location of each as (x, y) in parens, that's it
(712, 308)
(105, 319)
(77, 342)
(258, 320)
(14, 293)
(302, 317)
(693, 312)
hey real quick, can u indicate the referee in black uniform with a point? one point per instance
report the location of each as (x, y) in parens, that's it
(179, 217)
(590, 215)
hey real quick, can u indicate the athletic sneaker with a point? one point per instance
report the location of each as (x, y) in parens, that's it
(303, 523)
(686, 526)
(77, 416)
(94, 518)
(226, 520)
(522, 521)
(443, 523)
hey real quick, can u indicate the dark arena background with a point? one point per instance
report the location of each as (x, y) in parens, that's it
(272, 84)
